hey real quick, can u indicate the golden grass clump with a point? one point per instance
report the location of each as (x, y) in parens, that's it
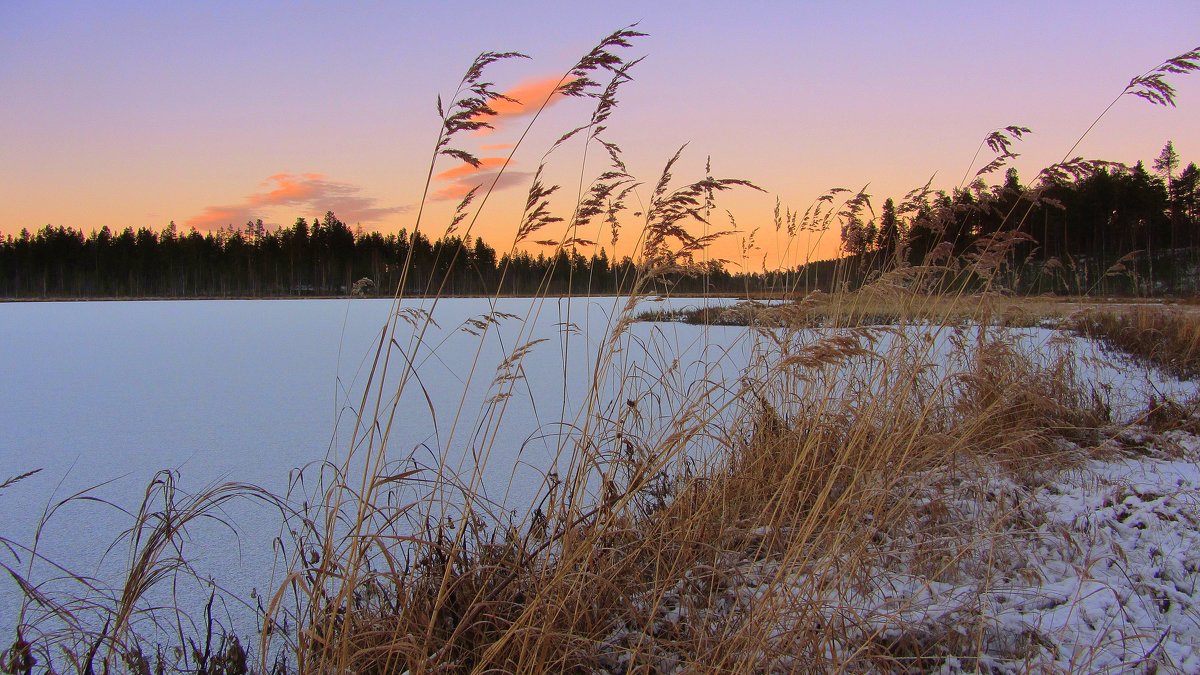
(819, 465)
(1168, 338)
(875, 305)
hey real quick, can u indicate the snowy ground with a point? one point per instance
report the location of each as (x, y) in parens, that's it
(1093, 568)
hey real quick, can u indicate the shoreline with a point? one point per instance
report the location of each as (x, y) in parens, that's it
(154, 298)
(1065, 299)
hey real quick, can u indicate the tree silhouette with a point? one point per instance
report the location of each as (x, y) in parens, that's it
(889, 232)
(1083, 225)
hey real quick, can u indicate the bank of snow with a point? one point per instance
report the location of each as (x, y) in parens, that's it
(1091, 568)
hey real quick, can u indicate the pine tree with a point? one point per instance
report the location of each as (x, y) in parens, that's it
(1165, 165)
(889, 231)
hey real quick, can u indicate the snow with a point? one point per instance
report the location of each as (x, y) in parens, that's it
(1104, 579)
(1095, 568)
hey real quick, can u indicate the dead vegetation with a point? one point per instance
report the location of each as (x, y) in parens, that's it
(872, 306)
(1164, 337)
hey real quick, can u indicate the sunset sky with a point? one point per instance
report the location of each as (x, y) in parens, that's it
(213, 113)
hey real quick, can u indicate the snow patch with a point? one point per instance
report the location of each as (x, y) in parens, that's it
(1095, 568)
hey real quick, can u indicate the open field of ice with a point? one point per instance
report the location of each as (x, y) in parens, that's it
(104, 395)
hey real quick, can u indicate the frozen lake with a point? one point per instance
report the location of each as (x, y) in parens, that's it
(103, 395)
(108, 393)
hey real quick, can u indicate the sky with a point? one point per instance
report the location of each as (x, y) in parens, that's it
(213, 113)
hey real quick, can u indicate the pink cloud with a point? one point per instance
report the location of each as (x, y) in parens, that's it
(492, 147)
(307, 193)
(462, 178)
(529, 96)
(485, 164)
(460, 187)
(288, 189)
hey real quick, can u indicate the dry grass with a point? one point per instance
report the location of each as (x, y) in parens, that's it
(630, 558)
(871, 307)
(807, 480)
(1167, 338)
(726, 534)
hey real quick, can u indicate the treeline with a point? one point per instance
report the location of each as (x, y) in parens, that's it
(1084, 227)
(324, 257)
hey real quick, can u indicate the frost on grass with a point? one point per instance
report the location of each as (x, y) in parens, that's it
(1091, 568)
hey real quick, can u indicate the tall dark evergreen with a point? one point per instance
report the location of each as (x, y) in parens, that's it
(888, 238)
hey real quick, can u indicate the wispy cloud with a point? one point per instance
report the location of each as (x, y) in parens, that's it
(462, 178)
(306, 192)
(461, 186)
(529, 96)
(485, 164)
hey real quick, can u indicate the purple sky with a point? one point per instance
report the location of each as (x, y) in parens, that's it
(136, 114)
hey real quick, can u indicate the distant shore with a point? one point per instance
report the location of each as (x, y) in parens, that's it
(760, 295)
(742, 295)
